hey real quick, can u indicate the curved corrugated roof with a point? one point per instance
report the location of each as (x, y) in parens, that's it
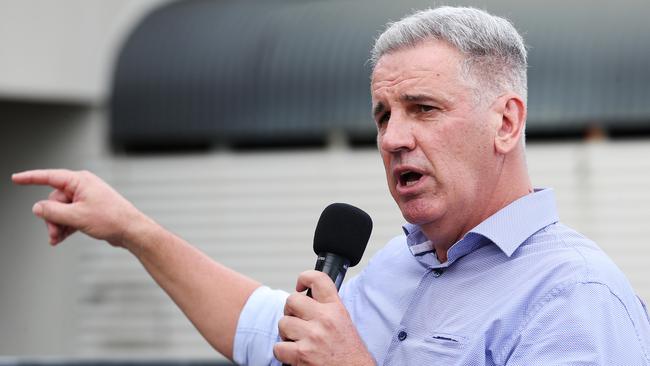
(273, 72)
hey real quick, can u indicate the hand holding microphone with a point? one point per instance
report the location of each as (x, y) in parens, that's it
(316, 328)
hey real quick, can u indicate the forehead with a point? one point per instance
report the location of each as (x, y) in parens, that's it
(433, 64)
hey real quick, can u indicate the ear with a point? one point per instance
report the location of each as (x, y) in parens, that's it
(512, 110)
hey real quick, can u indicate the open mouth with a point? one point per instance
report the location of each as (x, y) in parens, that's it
(409, 178)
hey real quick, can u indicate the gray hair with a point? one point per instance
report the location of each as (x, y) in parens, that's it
(495, 52)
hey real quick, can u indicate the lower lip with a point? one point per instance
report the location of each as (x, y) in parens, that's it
(411, 189)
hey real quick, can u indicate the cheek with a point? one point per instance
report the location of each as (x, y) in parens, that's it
(458, 158)
(445, 150)
(385, 158)
(481, 147)
(475, 163)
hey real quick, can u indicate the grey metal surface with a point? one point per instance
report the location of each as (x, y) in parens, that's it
(271, 72)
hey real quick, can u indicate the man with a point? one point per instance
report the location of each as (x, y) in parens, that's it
(484, 275)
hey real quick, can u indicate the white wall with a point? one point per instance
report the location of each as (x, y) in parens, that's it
(37, 284)
(63, 50)
(55, 59)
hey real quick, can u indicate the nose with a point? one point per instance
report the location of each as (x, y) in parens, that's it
(397, 136)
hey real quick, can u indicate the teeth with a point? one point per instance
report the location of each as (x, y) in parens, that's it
(406, 178)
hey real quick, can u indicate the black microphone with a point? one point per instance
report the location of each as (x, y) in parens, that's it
(341, 236)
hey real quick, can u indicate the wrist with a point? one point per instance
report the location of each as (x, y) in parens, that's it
(135, 232)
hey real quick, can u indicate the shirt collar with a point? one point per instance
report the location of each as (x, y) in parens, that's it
(508, 228)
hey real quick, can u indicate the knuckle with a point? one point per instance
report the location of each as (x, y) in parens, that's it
(318, 278)
(85, 174)
(277, 350)
(282, 334)
(291, 303)
(291, 299)
(282, 323)
(331, 316)
(327, 321)
(303, 350)
(319, 335)
(305, 275)
(45, 209)
(322, 279)
(283, 352)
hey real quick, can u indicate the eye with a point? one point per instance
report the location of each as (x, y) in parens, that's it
(383, 118)
(423, 108)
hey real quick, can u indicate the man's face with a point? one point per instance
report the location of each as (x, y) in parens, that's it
(436, 141)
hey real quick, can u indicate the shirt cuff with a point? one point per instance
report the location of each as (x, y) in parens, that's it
(257, 328)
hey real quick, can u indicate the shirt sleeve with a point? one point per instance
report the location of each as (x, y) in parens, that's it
(257, 328)
(581, 324)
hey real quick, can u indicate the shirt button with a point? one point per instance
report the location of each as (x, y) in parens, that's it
(402, 335)
(437, 272)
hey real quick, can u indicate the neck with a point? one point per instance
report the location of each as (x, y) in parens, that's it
(511, 183)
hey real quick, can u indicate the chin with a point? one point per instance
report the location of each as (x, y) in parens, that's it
(420, 212)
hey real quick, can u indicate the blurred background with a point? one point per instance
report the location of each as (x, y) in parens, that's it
(234, 123)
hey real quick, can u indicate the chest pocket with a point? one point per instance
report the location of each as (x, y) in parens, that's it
(438, 349)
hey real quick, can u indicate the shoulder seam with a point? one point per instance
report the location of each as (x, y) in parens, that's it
(552, 294)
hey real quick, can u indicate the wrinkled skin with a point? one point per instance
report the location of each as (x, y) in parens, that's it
(429, 121)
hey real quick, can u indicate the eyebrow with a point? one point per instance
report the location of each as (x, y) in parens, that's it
(410, 98)
(415, 98)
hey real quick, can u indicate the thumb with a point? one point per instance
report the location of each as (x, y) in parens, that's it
(55, 212)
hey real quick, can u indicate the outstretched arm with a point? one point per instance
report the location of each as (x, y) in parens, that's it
(210, 294)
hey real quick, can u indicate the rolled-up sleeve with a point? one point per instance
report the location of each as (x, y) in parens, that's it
(257, 328)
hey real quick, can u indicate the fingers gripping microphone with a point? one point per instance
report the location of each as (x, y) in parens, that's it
(341, 237)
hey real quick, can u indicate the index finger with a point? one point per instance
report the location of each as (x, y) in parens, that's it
(298, 305)
(56, 178)
(321, 285)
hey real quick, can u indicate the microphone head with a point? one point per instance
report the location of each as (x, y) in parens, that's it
(343, 230)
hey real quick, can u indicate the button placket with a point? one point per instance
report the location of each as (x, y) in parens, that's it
(399, 339)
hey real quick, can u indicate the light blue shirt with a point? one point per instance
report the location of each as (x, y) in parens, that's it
(518, 289)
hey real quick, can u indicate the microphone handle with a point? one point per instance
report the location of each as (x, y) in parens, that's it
(335, 266)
